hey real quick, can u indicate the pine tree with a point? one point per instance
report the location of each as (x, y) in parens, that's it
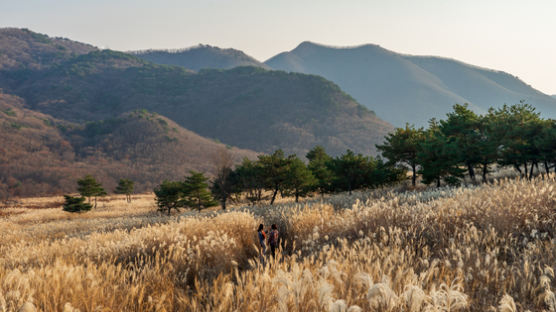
(75, 204)
(516, 127)
(299, 179)
(402, 147)
(546, 144)
(274, 169)
(439, 158)
(351, 171)
(169, 195)
(196, 193)
(89, 187)
(463, 126)
(225, 185)
(125, 186)
(319, 165)
(250, 179)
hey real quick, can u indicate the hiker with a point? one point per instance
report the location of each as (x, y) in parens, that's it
(273, 240)
(262, 242)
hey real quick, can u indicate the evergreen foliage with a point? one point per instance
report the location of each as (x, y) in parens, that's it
(462, 127)
(319, 164)
(250, 179)
(125, 186)
(89, 187)
(169, 195)
(225, 185)
(274, 170)
(290, 176)
(75, 204)
(299, 179)
(513, 136)
(351, 171)
(439, 157)
(196, 193)
(193, 192)
(402, 147)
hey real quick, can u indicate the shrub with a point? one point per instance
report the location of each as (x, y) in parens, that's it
(76, 204)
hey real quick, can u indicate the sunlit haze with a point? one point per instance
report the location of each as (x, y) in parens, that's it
(510, 35)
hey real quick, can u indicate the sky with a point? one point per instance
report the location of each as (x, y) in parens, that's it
(515, 36)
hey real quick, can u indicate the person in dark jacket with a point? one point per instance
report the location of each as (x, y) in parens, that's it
(273, 240)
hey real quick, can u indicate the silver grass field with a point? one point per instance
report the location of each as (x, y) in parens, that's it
(478, 248)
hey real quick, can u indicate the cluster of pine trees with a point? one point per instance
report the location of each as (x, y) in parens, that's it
(88, 187)
(513, 136)
(193, 192)
(289, 176)
(277, 174)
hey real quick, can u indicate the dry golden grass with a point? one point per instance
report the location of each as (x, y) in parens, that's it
(482, 248)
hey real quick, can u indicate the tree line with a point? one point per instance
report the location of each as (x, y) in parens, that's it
(446, 151)
(464, 142)
(277, 174)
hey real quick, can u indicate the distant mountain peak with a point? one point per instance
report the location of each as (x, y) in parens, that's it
(310, 44)
(307, 44)
(403, 88)
(199, 46)
(202, 56)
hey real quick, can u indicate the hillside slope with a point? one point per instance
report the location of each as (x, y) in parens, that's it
(200, 57)
(403, 88)
(24, 49)
(247, 107)
(42, 155)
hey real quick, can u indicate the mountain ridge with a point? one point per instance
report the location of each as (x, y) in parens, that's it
(200, 57)
(407, 88)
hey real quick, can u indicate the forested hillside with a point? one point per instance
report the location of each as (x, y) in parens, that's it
(248, 107)
(71, 109)
(42, 155)
(24, 49)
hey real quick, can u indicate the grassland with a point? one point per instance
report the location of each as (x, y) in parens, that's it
(480, 248)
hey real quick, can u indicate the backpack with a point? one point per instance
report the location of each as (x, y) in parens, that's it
(273, 238)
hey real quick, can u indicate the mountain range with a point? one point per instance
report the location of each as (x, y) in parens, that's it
(117, 115)
(400, 88)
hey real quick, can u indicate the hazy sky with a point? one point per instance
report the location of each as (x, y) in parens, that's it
(512, 35)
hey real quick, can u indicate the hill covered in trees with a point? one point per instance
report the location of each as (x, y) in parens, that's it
(71, 109)
(41, 155)
(404, 88)
(200, 57)
(248, 107)
(24, 49)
